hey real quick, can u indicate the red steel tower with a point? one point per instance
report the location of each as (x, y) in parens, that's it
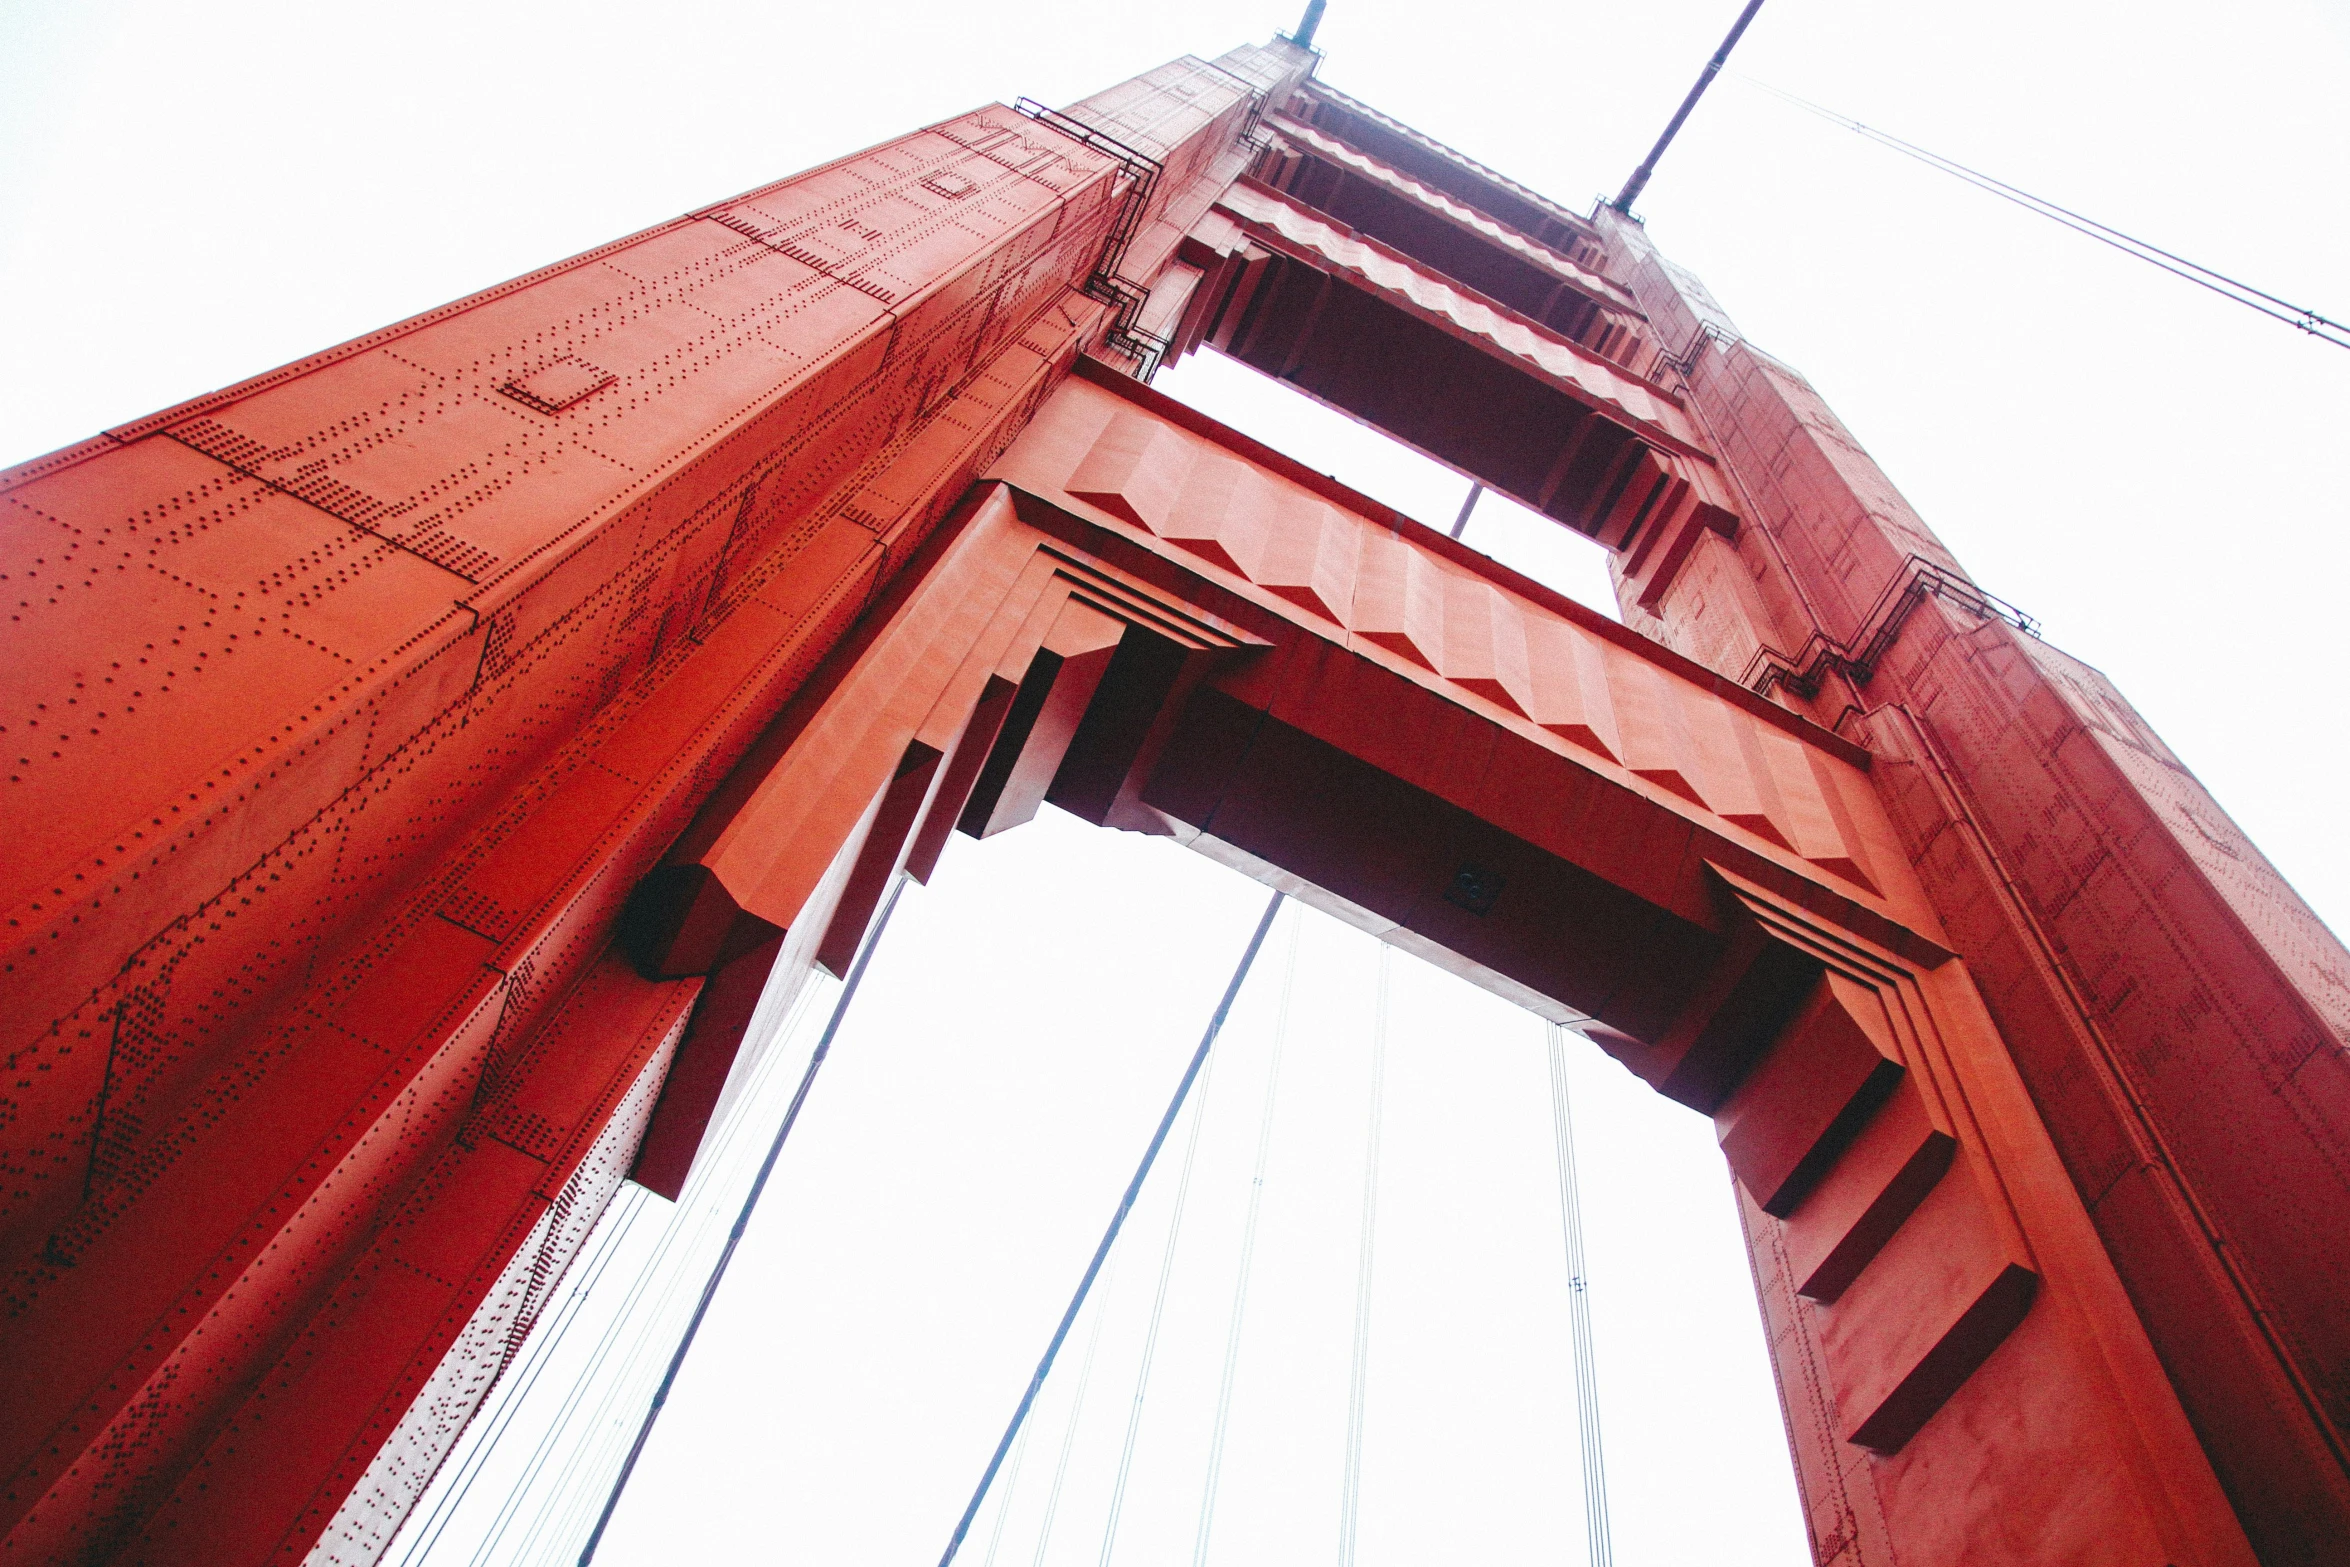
(425, 754)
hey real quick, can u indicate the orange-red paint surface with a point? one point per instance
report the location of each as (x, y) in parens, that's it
(426, 754)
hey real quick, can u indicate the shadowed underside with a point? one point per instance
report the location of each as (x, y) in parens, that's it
(431, 751)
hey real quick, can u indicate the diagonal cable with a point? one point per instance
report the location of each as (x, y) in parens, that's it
(1358, 1382)
(2322, 327)
(1562, 1124)
(1150, 1338)
(791, 1116)
(1248, 1252)
(1110, 1235)
(1003, 1514)
(1093, 1344)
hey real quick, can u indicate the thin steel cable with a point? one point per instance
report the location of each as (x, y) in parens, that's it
(571, 1503)
(687, 1225)
(692, 1225)
(1358, 1382)
(1003, 1512)
(1093, 1344)
(1110, 1235)
(1460, 524)
(791, 1116)
(549, 1436)
(540, 1349)
(1705, 78)
(1595, 1525)
(1150, 1337)
(628, 1333)
(541, 1450)
(574, 1499)
(2324, 328)
(556, 1527)
(650, 1277)
(1248, 1252)
(651, 1305)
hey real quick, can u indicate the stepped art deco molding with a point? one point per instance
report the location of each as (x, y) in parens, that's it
(426, 755)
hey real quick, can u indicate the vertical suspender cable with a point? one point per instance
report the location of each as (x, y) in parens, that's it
(633, 1321)
(1110, 1235)
(791, 1116)
(1350, 1497)
(1248, 1252)
(1150, 1338)
(1579, 1310)
(1460, 524)
(1052, 1501)
(538, 1349)
(995, 1539)
(677, 1232)
(1705, 78)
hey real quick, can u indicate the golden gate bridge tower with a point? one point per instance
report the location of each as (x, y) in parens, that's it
(426, 754)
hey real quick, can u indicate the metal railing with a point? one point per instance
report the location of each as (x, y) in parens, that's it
(1919, 580)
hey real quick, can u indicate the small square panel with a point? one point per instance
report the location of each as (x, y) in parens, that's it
(553, 388)
(1474, 888)
(950, 184)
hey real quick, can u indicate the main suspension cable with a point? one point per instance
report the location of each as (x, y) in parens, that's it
(1579, 1310)
(1248, 1252)
(1110, 1235)
(1358, 1381)
(2324, 328)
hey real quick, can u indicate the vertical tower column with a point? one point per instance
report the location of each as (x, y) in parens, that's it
(352, 702)
(2179, 1015)
(1556, 359)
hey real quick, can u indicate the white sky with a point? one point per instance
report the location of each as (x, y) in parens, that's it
(189, 195)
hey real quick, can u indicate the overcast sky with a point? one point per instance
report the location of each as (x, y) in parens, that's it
(190, 195)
